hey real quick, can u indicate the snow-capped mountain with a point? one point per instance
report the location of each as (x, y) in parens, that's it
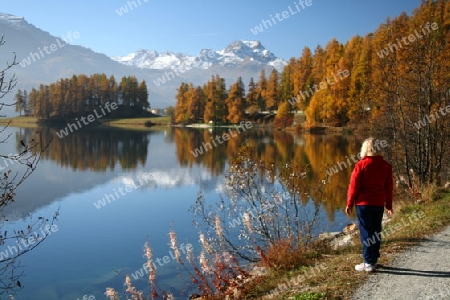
(243, 59)
(235, 54)
(13, 20)
(146, 59)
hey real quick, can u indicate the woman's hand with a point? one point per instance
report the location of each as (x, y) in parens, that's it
(348, 210)
(390, 212)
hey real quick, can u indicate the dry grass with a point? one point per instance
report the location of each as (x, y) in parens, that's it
(21, 121)
(284, 256)
(129, 123)
(134, 123)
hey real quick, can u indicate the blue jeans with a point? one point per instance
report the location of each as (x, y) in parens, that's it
(369, 218)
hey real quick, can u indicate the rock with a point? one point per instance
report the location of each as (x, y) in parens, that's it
(350, 228)
(386, 219)
(259, 271)
(342, 241)
(328, 235)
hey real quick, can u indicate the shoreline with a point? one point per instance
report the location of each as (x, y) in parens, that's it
(147, 123)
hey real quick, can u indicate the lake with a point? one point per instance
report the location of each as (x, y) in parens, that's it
(96, 243)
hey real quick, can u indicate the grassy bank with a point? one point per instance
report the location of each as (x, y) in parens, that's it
(19, 121)
(128, 123)
(137, 123)
(330, 273)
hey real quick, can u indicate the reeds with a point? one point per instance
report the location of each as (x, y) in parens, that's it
(213, 274)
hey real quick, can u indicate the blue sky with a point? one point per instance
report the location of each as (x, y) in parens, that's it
(189, 26)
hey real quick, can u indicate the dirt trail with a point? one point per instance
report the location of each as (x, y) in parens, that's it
(421, 273)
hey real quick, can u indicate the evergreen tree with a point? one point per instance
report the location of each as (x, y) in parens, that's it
(261, 89)
(20, 101)
(221, 96)
(142, 96)
(252, 97)
(209, 112)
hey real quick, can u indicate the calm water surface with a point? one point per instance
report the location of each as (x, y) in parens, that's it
(95, 246)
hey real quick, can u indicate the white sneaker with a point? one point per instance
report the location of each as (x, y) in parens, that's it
(365, 267)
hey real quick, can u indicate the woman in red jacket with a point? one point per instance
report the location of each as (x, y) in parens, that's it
(370, 190)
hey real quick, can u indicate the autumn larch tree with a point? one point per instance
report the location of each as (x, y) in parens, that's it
(236, 102)
(272, 94)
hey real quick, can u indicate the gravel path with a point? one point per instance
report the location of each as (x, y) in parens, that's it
(421, 273)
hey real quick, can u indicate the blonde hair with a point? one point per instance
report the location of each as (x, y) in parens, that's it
(367, 148)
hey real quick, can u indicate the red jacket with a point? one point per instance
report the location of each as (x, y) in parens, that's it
(371, 183)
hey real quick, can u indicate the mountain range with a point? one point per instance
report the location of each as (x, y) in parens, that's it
(236, 53)
(44, 58)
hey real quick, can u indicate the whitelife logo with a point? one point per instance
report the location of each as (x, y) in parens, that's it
(411, 38)
(222, 138)
(27, 243)
(53, 47)
(280, 16)
(342, 74)
(443, 111)
(161, 261)
(90, 118)
(131, 5)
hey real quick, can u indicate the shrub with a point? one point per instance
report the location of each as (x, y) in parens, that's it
(284, 255)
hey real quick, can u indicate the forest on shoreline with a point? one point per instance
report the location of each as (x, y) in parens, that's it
(80, 95)
(405, 63)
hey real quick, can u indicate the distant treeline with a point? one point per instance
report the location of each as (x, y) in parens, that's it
(341, 83)
(81, 94)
